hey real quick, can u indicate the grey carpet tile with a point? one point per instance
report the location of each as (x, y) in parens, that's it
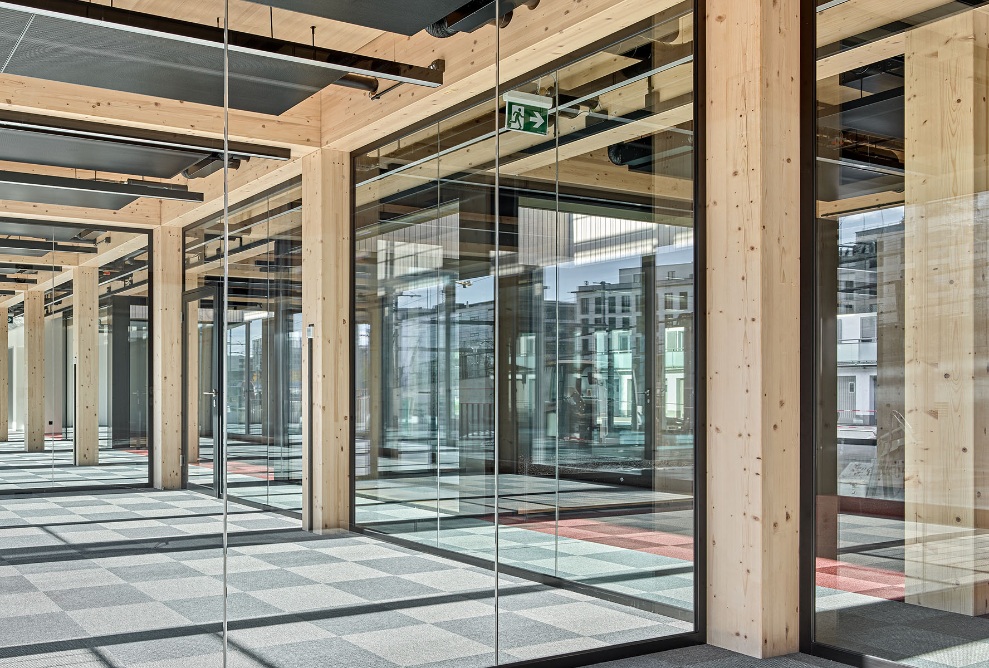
(165, 571)
(387, 588)
(274, 578)
(513, 630)
(408, 564)
(148, 594)
(209, 609)
(15, 584)
(104, 596)
(162, 649)
(331, 653)
(379, 620)
(39, 628)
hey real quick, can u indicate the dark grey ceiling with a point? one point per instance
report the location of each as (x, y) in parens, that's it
(81, 51)
(76, 144)
(43, 148)
(89, 193)
(20, 228)
(406, 17)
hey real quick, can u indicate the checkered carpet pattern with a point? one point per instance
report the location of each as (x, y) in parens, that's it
(135, 579)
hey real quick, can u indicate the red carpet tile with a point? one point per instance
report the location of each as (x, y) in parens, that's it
(253, 470)
(839, 575)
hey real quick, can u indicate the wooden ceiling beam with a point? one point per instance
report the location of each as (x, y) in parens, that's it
(861, 203)
(115, 246)
(596, 172)
(351, 120)
(253, 178)
(854, 18)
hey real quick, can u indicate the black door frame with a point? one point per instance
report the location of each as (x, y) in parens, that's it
(214, 294)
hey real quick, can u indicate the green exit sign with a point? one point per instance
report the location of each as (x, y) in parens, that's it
(527, 113)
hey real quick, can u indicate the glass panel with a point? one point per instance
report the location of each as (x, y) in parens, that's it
(262, 349)
(596, 318)
(563, 324)
(110, 298)
(901, 299)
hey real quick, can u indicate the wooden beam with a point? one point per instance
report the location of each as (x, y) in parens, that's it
(297, 129)
(630, 131)
(854, 18)
(251, 179)
(85, 346)
(595, 171)
(120, 245)
(34, 369)
(753, 306)
(873, 52)
(351, 120)
(945, 311)
(861, 203)
(166, 325)
(326, 289)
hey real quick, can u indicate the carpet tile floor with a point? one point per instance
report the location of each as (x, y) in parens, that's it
(135, 579)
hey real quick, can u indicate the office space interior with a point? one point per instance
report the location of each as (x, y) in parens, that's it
(514, 332)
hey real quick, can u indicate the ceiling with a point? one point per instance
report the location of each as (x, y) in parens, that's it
(398, 16)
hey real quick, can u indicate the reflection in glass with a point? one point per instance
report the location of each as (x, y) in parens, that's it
(901, 300)
(110, 297)
(261, 349)
(565, 326)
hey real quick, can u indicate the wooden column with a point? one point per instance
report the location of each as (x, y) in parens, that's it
(166, 325)
(753, 346)
(34, 360)
(946, 350)
(85, 349)
(5, 378)
(326, 288)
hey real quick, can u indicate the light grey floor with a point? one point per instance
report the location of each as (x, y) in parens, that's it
(135, 579)
(55, 469)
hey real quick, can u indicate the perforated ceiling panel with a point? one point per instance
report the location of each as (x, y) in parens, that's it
(92, 194)
(45, 45)
(84, 153)
(406, 17)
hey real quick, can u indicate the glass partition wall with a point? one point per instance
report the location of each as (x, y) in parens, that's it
(56, 283)
(524, 344)
(261, 349)
(901, 258)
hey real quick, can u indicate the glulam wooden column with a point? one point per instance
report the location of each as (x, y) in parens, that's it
(34, 361)
(85, 353)
(753, 305)
(946, 299)
(166, 323)
(327, 282)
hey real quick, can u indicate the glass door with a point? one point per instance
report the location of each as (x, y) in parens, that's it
(202, 391)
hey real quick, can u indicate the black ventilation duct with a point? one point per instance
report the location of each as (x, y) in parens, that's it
(115, 49)
(404, 17)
